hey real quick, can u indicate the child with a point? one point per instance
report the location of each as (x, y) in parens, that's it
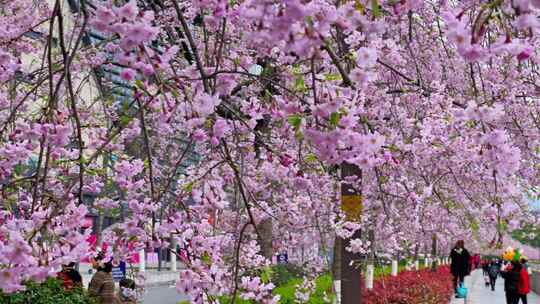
(127, 292)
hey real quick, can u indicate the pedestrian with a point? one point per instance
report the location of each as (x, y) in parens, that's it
(127, 294)
(512, 275)
(493, 273)
(70, 277)
(101, 285)
(459, 265)
(524, 283)
(485, 267)
(524, 263)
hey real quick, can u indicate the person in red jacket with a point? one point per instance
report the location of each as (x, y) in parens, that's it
(70, 277)
(524, 286)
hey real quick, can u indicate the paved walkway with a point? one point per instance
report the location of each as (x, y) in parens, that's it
(478, 293)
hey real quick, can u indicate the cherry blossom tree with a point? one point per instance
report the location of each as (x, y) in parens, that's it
(434, 102)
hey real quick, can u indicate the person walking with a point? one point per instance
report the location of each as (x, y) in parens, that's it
(485, 267)
(511, 275)
(101, 285)
(524, 283)
(493, 273)
(459, 266)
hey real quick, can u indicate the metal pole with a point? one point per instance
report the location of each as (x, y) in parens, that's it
(142, 261)
(173, 254)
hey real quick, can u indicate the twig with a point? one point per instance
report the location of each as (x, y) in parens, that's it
(344, 75)
(192, 45)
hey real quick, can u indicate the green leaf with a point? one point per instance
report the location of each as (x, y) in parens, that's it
(393, 148)
(474, 225)
(359, 7)
(174, 93)
(206, 259)
(470, 123)
(19, 169)
(266, 274)
(299, 84)
(295, 121)
(124, 120)
(139, 84)
(310, 158)
(501, 226)
(375, 8)
(309, 21)
(298, 134)
(334, 119)
(332, 77)
(188, 187)
(146, 164)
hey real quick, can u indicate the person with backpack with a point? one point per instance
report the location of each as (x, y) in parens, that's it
(493, 273)
(459, 266)
(485, 267)
(511, 275)
(524, 283)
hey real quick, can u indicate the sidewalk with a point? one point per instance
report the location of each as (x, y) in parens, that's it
(478, 293)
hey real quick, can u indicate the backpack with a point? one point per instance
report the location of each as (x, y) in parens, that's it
(493, 271)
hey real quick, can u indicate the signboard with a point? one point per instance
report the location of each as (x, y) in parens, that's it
(119, 272)
(282, 258)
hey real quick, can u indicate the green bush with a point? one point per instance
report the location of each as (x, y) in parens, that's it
(226, 299)
(322, 284)
(386, 269)
(529, 235)
(283, 273)
(48, 292)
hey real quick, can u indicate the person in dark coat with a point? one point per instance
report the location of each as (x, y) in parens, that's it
(493, 273)
(459, 265)
(485, 267)
(511, 275)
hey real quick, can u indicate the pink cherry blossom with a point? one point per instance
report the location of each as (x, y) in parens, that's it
(128, 74)
(129, 11)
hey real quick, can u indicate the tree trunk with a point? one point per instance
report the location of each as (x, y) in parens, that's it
(336, 263)
(99, 228)
(265, 230)
(351, 276)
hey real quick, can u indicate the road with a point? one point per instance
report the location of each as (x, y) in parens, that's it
(162, 295)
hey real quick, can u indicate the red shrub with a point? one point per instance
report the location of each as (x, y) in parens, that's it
(412, 287)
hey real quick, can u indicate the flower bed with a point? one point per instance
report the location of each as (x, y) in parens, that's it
(412, 287)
